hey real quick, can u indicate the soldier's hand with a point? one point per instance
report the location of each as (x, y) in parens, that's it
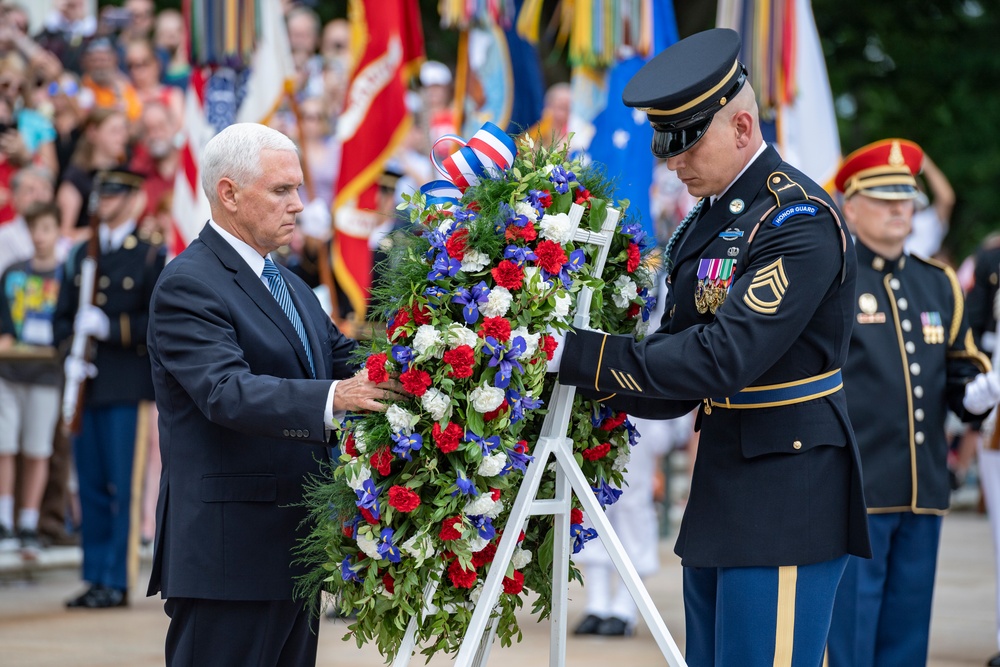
(358, 393)
(983, 393)
(92, 321)
(78, 370)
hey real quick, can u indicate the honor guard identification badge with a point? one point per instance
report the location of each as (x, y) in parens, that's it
(715, 277)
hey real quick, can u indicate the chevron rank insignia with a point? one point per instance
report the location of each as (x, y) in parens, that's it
(767, 289)
(625, 380)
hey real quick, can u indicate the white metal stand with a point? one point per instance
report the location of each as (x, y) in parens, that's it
(553, 441)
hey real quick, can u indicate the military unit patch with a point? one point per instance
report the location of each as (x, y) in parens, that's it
(715, 277)
(767, 289)
(793, 210)
(933, 327)
(625, 380)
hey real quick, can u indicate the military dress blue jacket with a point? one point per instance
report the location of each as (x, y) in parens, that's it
(759, 315)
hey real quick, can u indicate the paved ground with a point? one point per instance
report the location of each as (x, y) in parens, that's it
(36, 631)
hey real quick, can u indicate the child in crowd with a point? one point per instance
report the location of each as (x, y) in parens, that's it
(29, 389)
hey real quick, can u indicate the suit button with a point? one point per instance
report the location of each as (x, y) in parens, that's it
(298, 433)
(918, 438)
(910, 347)
(903, 305)
(906, 325)
(894, 283)
(305, 434)
(918, 414)
(915, 368)
(285, 433)
(918, 391)
(797, 444)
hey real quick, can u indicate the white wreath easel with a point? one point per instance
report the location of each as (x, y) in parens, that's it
(553, 441)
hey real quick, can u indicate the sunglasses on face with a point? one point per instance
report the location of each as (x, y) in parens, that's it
(69, 88)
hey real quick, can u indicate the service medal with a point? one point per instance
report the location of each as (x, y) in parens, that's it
(933, 327)
(715, 277)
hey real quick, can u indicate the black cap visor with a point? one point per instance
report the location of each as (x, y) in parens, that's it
(670, 139)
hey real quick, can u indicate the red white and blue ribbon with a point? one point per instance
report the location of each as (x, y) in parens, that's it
(487, 154)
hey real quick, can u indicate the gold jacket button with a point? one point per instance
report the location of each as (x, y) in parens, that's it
(797, 444)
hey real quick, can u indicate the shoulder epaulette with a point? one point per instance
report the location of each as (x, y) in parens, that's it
(784, 189)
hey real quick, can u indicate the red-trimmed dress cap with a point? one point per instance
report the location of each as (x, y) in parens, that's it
(883, 170)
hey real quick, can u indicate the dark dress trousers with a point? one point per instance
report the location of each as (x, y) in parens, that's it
(241, 424)
(761, 296)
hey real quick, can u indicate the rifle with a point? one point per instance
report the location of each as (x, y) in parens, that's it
(81, 349)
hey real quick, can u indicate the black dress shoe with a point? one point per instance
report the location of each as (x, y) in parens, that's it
(994, 661)
(614, 627)
(589, 625)
(99, 597)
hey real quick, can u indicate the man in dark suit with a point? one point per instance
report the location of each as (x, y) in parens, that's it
(246, 367)
(759, 313)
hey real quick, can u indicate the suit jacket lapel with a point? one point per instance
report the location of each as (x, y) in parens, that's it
(251, 283)
(719, 216)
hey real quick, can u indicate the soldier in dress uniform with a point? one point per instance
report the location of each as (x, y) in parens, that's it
(911, 356)
(761, 280)
(119, 377)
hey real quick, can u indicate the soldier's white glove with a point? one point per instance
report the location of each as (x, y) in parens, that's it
(982, 393)
(92, 321)
(553, 364)
(78, 370)
(315, 220)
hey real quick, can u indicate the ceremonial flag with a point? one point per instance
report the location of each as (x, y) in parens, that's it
(621, 135)
(782, 51)
(190, 209)
(272, 70)
(387, 44)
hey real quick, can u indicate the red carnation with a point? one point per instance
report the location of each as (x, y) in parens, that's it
(495, 494)
(448, 439)
(461, 359)
(545, 198)
(521, 447)
(632, 311)
(460, 577)
(376, 368)
(633, 258)
(457, 243)
(450, 529)
(551, 256)
(485, 555)
(548, 345)
(401, 318)
(421, 315)
(526, 233)
(493, 414)
(347, 529)
(415, 381)
(368, 516)
(582, 196)
(381, 460)
(611, 423)
(498, 327)
(389, 583)
(350, 447)
(472, 206)
(513, 585)
(508, 274)
(403, 499)
(575, 516)
(598, 452)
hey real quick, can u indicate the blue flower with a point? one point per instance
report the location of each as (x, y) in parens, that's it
(443, 267)
(486, 445)
(347, 571)
(518, 461)
(561, 178)
(470, 300)
(464, 486)
(505, 359)
(606, 494)
(437, 240)
(518, 405)
(535, 198)
(633, 433)
(580, 536)
(435, 293)
(518, 255)
(386, 549)
(403, 356)
(484, 525)
(368, 498)
(602, 412)
(464, 215)
(406, 443)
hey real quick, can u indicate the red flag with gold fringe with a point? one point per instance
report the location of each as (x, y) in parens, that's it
(387, 45)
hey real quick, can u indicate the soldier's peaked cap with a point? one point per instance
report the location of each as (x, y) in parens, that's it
(885, 169)
(683, 87)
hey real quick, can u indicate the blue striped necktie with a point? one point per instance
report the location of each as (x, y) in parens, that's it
(277, 286)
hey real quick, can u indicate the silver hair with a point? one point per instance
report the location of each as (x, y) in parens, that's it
(235, 152)
(39, 172)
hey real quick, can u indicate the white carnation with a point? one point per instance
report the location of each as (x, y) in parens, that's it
(625, 291)
(475, 593)
(474, 261)
(369, 545)
(492, 465)
(400, 420)
(486, 398)
(527, 210)
(477, 543)
(356, 473)
(457, 335)
(480, 506)
(641, 328)
(530, 341)
(359, 440)
(557, 227)
(561, 304)
(427, 339)
(420, 547)
(436, 403)
(624, 456)
(520, 558)
(495, 510)
(498, 302)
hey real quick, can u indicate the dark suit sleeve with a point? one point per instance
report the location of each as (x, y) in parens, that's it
(979, 301)
(198, 346)
(964, 361)
(69, 297)
(723, 357)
